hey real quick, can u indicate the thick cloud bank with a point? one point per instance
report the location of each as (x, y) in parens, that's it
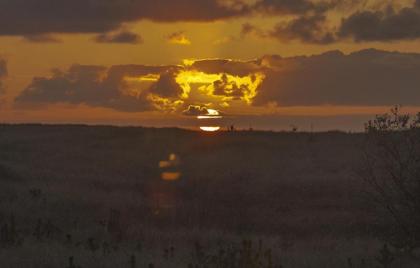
(368, 77)
(310, 21)
(91, 85)
(384, 22)
(364, 78)
(32, 17)
(385, 25)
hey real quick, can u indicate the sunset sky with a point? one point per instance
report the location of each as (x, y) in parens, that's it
(266, 64)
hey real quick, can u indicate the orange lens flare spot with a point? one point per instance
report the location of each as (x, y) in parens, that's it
(164, 164)
(171, 176)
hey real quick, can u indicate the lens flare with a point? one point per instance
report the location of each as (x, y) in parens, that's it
(171, 176)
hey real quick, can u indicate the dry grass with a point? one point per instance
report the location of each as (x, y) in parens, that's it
(95, 193)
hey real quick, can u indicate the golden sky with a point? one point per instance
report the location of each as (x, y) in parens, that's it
(157, 63)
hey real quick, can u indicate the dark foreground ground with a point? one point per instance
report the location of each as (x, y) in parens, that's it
(94, 197)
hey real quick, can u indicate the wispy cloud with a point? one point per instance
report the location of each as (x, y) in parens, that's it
(178, 38)
(41, 38)
(122, 37)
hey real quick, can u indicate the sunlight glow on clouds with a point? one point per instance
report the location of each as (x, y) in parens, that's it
(217, 89)
(221, 86)
(233, 86)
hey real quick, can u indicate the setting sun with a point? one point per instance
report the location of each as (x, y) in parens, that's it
(210, 129)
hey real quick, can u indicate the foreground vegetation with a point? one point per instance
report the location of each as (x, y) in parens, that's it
(80, 196)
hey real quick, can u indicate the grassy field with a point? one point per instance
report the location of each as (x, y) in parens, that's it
(89, 196)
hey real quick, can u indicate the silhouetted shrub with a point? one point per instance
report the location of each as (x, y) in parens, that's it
(392, 170)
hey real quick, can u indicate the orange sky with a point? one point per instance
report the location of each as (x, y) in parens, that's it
(164, 43)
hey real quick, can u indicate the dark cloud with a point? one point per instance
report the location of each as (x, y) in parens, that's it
(249, 29)
(178, 38)
(166, 86)
(123, 37)
(3, 74)
(32, 17)
(195, 110)
(41, 38)
(37, 19)
(383, 23)
(23, 17)
(224, 87)
(3, 68)
(308, 29)
(294, 6)
(91, 85)
(368, 77)
(387, 25)
(309, 24)
(203, 110)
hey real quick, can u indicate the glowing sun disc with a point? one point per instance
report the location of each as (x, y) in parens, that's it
(210, 129)
(209, 117)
